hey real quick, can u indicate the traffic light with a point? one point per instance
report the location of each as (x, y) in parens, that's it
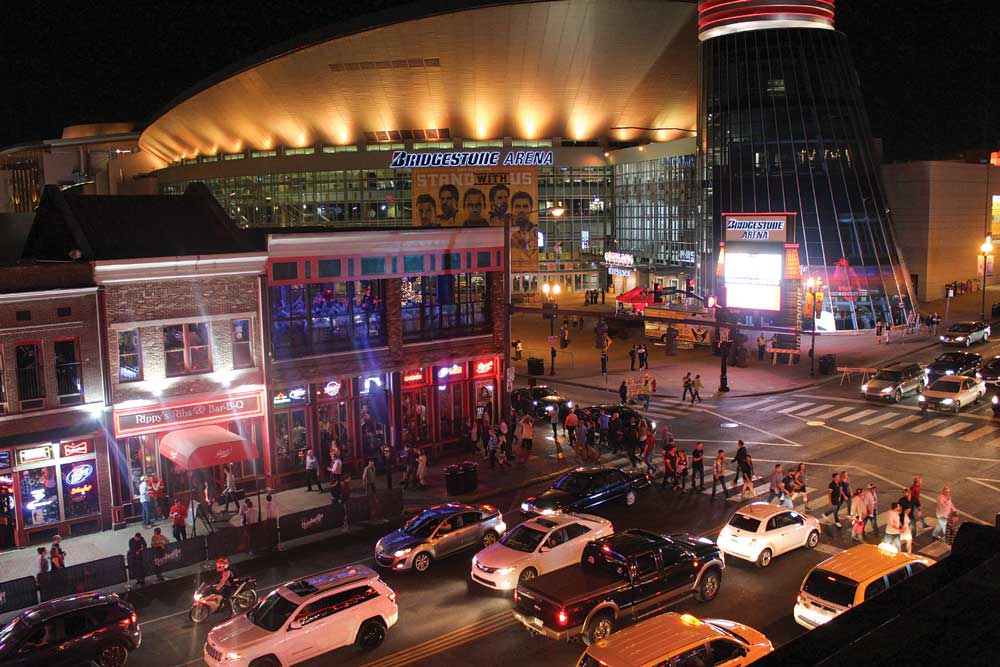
(712, 301)
(689, 286)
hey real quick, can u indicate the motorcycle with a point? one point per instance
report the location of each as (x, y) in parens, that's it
(207, 600)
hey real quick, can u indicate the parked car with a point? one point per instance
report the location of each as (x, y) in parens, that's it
(66, 632)
(526, 399)
(307, 618)
(895, 381)
(966, 333)
(537, 546)
(990, 372)
(437, 532)
(679, 640)
(587, 487)
(760, 531)
(953, 363)
(951, 393)
(621, 577)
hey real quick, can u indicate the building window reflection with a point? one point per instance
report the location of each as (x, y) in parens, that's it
(327, 317)
(434, 306)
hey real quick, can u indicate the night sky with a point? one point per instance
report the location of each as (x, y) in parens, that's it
(929, 76)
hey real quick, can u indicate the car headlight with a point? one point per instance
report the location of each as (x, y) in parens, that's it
(994, 400)
(949, 372)
(887, 390)
(504, 571)
(525, 507)
(402, 552)
(947, 401)
(864, 387)
(960, 339)
(921, 399)
(979, 375)
(943, 338)
(233, 655)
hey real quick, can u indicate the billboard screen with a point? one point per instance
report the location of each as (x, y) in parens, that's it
(482, 197)
(753, 278)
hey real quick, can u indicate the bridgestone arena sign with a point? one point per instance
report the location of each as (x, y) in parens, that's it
(404, 160)
(769, 228)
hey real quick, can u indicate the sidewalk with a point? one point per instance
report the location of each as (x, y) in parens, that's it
(22, 562)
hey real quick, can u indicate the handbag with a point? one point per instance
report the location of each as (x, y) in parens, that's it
(858, 527)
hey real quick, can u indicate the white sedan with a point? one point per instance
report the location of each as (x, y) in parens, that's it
(537, 546)
(951, 393)
(760, 531)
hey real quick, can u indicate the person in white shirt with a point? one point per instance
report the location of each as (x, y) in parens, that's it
(312, 466)
(945, 507)
(270, 508)
(894, 527)
(146, 501)
(230, 491)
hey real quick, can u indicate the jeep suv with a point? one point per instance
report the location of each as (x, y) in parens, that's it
(95, 627)
(307, 618)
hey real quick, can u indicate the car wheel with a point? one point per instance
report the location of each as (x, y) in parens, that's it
(266, 661)
(920, 387)
(898, 396)
(489, 538)
(709, 586)
(422, 561)
(600, 627)
(630, 498)
(764, 559)
(113, 655)
(958, 406)
(813, 539)
(527, 574)
(371, 634)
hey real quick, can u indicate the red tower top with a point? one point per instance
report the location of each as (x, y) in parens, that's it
(722, 17)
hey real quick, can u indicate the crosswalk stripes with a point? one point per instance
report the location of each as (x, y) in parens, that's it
(857, 415)
(927, 425)
(977, 434)
(837, 412)
(954, 428)
(899, 423)
(818, 408)
(757, 404)
(794, 408)
(779, 404)
(878, 418)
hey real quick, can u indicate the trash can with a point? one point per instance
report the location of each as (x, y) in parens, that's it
(827, 364)
(536, 366)
(454, 480)
(470, 476)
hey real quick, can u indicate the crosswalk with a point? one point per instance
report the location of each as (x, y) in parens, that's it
(883, 417)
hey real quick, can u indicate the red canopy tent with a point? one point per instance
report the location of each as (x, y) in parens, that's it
(637, 297)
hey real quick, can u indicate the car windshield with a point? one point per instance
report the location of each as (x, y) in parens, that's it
(607, 561)
(889, 376)
(422, 525)
(271, 612)
(962, 328)
(947, 385)
(523, 538)
(743, 522)
(830, 587)
(571, 483)
(950, 358)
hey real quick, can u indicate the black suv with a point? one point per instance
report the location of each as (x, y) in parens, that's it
(621, 577)
(96, 628)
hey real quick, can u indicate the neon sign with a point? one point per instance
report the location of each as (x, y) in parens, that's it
(484, 367)
(414, 377)
(81, 490)
(451, 371)
(79, 473)
(39, 500)
(76, 448)
(332, 388)
(34, 454)
(367, 383)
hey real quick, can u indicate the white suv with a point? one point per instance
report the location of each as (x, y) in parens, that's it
(306, 618)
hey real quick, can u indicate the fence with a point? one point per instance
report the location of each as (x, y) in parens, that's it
(113, 570)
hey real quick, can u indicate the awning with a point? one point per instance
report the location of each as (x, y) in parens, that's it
(205, 446)
(635, 295)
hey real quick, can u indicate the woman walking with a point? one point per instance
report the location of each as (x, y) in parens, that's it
(858, 514)
(746, 467)
(906, 533)
(682, 469)
(719, 472)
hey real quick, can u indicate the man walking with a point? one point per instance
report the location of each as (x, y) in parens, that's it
(368, 478)
(835, 495)
(870, 498)
(698, 467)
(569, 426)
(604, 364)
(687, 386)
(945, 507)
(137, 545)
(554, 421)
(696, 387)
(739, 460)
(719, 472)
(643, 357)
(761, 346)
(311, 472)
(775, 488)
(623, 392)
(178, 519)
(918, 509)
(669, 464)
(603, 422)
(146, 500)
(632, 356)
(230, 491)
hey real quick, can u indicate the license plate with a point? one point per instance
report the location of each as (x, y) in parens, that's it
(537, 621)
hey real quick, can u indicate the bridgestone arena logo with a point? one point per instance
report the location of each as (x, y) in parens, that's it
(404, 160)
(756, 230)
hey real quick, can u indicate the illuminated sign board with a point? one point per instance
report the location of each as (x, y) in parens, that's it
(450, 372)
(369, 382)
(77, 448)
(292, 395)
(332, 388)
(404, 160)
(619, 258)
(415, 377)
(753, 279)
(155, 418)
(34, 454)
(584, 239)
(484, 367)
(756, 227)
(625, 273)
(79, 474)
(81, 490)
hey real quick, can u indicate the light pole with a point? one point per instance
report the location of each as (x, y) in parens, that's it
(812, 285)
(985, 250)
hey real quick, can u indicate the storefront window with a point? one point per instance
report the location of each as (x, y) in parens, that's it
(142, 460)
(374, 415)
(79, 488)
(415, 411)
(292, 440)
(327, 317)
(451, 412)
(442, 306)
(249, 430)
(7, 509)
(39, 497)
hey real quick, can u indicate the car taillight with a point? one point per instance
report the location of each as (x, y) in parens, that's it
(392, 597)
(135, 618)
(516, 596)
(562, 617)
(694, 564)
(798, 599)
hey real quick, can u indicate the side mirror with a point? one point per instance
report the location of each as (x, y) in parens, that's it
(542, 549)
(295, 625)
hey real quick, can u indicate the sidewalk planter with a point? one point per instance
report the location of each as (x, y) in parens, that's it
(175, 555)
(17, 594)
(82, 578)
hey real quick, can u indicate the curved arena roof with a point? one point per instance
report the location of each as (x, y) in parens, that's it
(575, 69)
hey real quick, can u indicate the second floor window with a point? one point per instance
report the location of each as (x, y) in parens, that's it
(242, 344)
(444, 306)
(30, 379)
(69, 378)
(129, 356)
(327, 317)
(187, 349)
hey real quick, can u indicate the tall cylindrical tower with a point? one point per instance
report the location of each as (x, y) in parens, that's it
(782, 127)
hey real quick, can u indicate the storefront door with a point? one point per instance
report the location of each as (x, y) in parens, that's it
(414, 413)
(450, 410)
(291, 430)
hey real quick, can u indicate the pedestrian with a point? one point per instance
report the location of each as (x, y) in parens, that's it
(569, 427)
(686, 382)
(906, 533)
(604, 362)
(835, 496)
(871, 507)
(602, 297)
(492, 444)
(270, 508)
(748, 476)
(633, 355)
(719, 472)
(741, 454)
(799, 485)
(935, 321)
(775, 489)
(632, 443)
(518, 349)
(146, 501)
(312, 475)
(858, 516)
(669, 464)
(648, 451)
(336, 470)
(682, 470)
(879, 329)
(894, 526)
(230, 491)
(178, 519)
(698, 466)
(616, 433)
(156, 494)
(623, 392)
(952, 528)
(582, 433)
(368, 478)
(761, 346)
(888, 331)
(696, 387)
(552, 361)
(591, 443)
(527, 437)
(642, 357)
(136, 546)
(906, 507)
(56, 553)
(158, 545)
(918, 512)
(244, 511)
(43, 562)
(945, 507)
(389, 463)
(603, 424)
(787, 490)
(422, 469)
(554, 422)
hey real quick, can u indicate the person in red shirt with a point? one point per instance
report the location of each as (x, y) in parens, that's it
(178, 517)
(915, 501)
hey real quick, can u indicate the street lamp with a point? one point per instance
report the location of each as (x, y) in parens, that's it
(813, 285)
(986, 250)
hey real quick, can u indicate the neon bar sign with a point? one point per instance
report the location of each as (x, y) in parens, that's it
(417, 376)
(455, 370)
(77, 448)
(484, 367)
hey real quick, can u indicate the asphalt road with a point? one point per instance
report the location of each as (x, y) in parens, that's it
(442, 622)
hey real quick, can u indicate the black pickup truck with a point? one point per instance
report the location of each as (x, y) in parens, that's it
(624, 576)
